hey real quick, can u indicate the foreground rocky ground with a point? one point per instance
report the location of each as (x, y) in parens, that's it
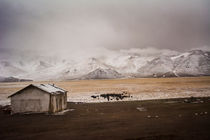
(134, 120)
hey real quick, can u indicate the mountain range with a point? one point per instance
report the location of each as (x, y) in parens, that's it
(122, 65)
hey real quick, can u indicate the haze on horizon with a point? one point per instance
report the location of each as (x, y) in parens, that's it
(82, 27)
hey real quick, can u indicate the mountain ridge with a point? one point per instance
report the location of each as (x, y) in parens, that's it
(190, 63)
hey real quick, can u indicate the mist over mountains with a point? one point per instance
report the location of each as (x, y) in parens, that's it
(128, 63)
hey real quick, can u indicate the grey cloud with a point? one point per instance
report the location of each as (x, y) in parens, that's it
(78, 27)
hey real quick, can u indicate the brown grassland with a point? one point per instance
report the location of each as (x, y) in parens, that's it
(134, 86)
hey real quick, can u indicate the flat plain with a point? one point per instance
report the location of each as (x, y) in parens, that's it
(139, 88)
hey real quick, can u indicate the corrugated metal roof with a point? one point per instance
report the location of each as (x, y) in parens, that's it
(49, 88)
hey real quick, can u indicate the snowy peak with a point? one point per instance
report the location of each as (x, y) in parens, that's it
(191, 53)
(102, 74)
(196, 63)
(157, 67)
(192, 63)
(94, 63)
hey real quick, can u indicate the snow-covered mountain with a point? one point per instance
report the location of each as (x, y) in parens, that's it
(12, 79)
(8, 69)
(192, 63)
(157, 67)
(102, 74)
(117, 65)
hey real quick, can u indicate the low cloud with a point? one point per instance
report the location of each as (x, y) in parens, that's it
(80, 28)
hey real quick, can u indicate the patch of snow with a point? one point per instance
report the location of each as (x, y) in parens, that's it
(141, 109)
(4, 102)
(175, 73)
(86, 96)
(63, 112)
(181, 55)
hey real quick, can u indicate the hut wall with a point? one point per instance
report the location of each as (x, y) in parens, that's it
(30, 100)
(58, 102)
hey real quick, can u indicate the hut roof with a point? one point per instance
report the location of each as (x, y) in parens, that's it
(49, 88)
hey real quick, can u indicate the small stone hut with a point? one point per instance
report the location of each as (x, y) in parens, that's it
(42, 98)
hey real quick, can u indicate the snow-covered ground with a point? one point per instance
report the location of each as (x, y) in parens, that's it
(4, 100)
(86, 97)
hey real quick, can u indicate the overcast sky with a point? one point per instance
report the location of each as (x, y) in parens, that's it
(68, 26)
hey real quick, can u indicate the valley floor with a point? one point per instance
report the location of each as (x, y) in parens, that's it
(138, 89)
(172, 119)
